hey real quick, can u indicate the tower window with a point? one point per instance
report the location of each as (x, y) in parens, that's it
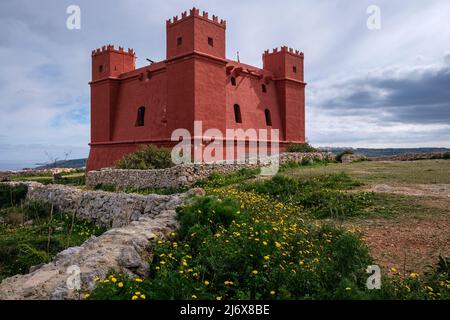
(268, 118)
(100, 68)
(140, 117)
(237, 114)
(211, 41)
(233, 81)
(294, 68)
(263, 88)
(179, 41)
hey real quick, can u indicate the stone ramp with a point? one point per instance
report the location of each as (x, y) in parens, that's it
(123, 249)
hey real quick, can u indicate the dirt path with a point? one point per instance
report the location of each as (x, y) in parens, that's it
(409, 245)
(406, 243)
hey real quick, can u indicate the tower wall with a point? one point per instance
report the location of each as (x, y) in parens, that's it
(288, 71)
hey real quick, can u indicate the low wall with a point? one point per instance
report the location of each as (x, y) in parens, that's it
(182, 175)
(108, 209)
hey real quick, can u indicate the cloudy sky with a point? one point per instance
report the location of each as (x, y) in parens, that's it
(366, 88)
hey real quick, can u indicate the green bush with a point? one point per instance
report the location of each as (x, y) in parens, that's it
(300, 147)
(446, 155)
(149, 157)
(207, 212)
(11, 196)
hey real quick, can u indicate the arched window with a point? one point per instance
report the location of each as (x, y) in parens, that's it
(140, 117)
(263, 88)
(233, 81)
(237, 114)
(268, 118)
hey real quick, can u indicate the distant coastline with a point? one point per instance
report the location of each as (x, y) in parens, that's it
(16, 165)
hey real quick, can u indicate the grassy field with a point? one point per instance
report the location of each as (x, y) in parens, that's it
(395, 172)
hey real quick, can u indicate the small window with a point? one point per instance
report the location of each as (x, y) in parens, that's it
(179, 41)
(294, 68)
(263, 88)
(237, 114)
(233, 81)
(268, 118)
(211, 41)
(140, 117)
(100, 68)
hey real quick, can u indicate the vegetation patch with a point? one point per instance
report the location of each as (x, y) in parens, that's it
(149, 157)
(247, 247)
(217, 180)
(300, 147)
(11, 196)
(32, 233)
(321, 196)
(244, 245)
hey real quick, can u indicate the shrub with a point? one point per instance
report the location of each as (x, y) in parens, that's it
(149, 157)
(300, 147)
(11, 196)
(446, 155)
(207, 212)
(339, 156)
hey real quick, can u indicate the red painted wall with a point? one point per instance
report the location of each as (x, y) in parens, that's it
(193, 83)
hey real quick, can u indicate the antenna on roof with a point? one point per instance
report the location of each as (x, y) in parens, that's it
(149, 60)
(238, 57)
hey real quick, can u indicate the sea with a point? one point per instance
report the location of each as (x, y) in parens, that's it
(15, 165)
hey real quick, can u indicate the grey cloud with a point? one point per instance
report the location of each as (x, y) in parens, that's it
(408, 95)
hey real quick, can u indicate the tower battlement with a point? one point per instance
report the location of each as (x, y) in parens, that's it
(194, 12)
(111, 48)
(297, 53)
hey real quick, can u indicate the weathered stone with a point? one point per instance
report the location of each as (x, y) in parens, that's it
(108, 209)
(123, 249)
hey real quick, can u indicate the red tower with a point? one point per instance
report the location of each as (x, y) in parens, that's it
(131, 107)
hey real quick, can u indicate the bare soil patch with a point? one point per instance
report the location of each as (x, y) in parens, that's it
(407, 244)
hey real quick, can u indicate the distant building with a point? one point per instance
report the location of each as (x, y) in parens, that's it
(132, 107)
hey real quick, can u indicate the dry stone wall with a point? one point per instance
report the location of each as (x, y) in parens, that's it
(183, 175)
(125, 250)
(108, 209)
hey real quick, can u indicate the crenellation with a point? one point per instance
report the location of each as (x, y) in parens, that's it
(194, 12)
(284, 49)
(111, 48)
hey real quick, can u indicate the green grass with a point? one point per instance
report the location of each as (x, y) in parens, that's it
(32, 232)
(73, 179)
(401, 172)
(216, 180)
(143, 191)
(23, 246)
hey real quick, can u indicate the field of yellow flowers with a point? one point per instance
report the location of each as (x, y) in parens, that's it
(265, 240)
